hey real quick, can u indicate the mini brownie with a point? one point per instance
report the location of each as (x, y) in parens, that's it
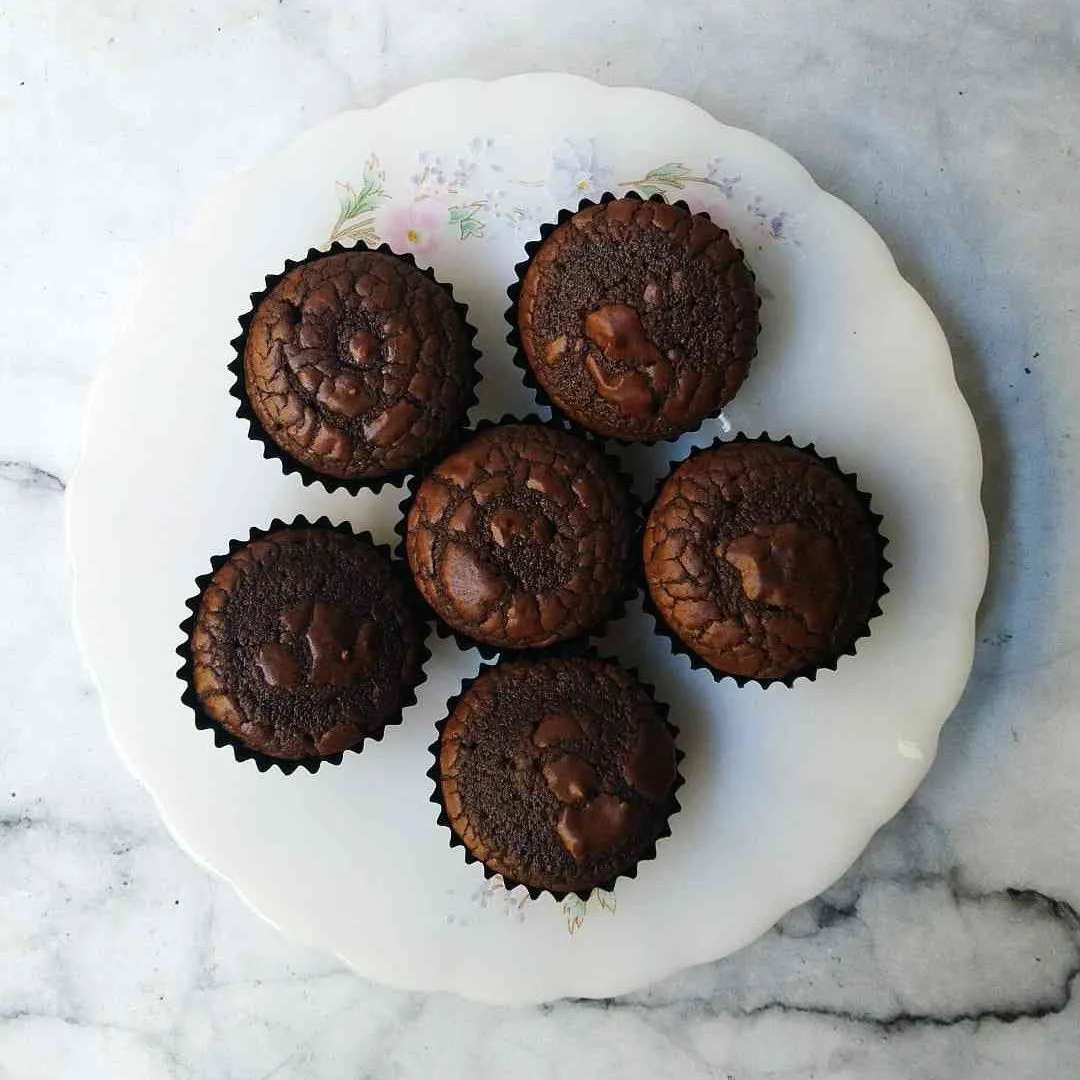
(558, 774)
(305, 644)
(358, 365)
(521, 538)
(638, 319)
(763, 559)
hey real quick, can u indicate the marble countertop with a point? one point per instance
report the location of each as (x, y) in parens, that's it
(952, 948)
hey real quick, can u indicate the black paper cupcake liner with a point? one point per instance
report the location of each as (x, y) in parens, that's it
(633, 579)
(679, 647)
(222, 736)
(513, 337)
(290, 464)
(534, 892)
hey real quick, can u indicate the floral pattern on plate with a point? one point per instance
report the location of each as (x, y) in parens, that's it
(516, 904)
(357, 206)
(456, 197)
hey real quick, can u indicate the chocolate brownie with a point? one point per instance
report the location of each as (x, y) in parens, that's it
(358, 365)
(763, 559)
(305, 643)
(638, 319)
(521, 538)
(558, 774)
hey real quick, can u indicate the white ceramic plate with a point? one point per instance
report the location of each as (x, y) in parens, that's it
(783, 786)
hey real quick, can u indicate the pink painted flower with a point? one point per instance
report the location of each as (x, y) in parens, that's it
(415, 227)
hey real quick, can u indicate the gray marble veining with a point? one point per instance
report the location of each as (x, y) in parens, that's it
(952, 949)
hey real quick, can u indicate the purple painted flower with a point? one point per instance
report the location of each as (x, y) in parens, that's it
(774, 224)
(717, 175)
(577, 173)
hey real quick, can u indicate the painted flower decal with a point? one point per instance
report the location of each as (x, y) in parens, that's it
(507, 211)
(469, 195)
(717, 174)
(358, 205)
(577, 173)
(775, 224)
(414, 228)
(674, 176)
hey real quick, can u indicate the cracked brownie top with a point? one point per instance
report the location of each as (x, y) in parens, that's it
(522, 537)
(762, 558)
(358, 364)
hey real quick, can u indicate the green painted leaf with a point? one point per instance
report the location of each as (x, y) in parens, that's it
(356, 207)
(358, 228)
(467, 219)
(670, 174)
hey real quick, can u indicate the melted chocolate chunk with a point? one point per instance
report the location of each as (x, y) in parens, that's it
(557, 773)
(650, 769)
(639, 319)
(557, 729)
(788, 566)
(358, 365)
(278, 665)
(570, 779)
(616, 330)
(762, 559)
(521, 538)
(305, 643)
(342, 647)
(602, 823)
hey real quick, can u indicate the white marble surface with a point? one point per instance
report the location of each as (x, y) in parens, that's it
(953, 948)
